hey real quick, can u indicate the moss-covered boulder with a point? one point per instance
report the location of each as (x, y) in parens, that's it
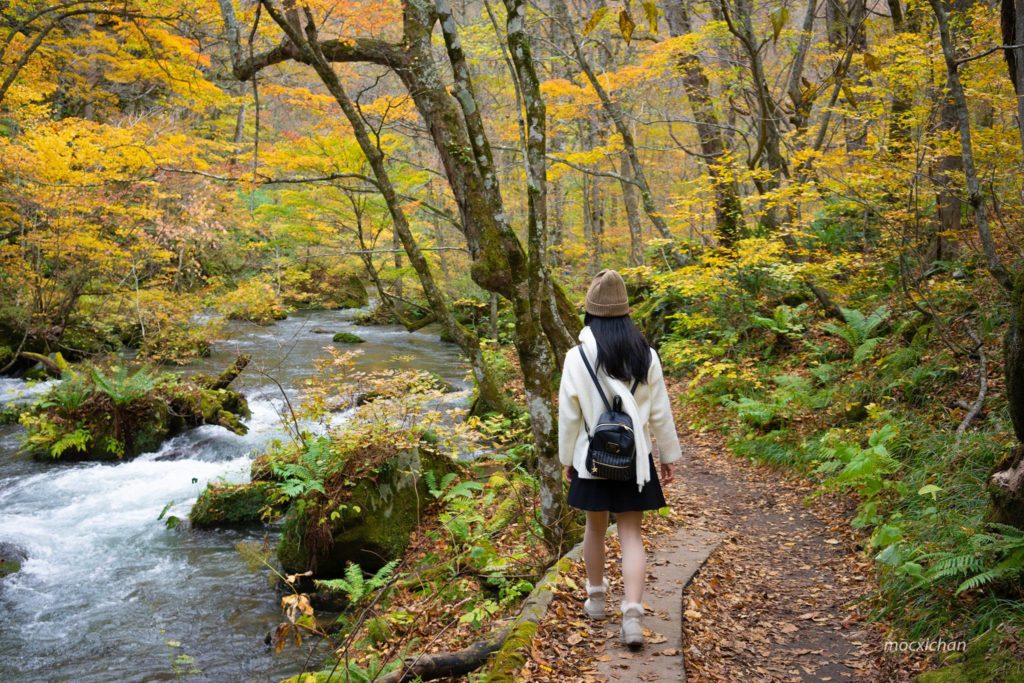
(373, 524)
(110, 413)
(226, 505)
(11, 559)
(347, 338)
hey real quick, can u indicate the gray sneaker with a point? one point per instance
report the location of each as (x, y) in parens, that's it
(632, 632)
(594, 606)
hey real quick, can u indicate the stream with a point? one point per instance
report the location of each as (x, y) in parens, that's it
(108, 593)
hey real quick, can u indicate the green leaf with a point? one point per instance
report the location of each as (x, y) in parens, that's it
(891, 556)
(594, 20)
(865, 350)
(886, 535)
(779, 16)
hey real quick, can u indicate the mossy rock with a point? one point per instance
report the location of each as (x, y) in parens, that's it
(84, 426)
(11, 559)
(378, 315)
(389, 509)
(990, 658)
(347, 338)
(225, 505)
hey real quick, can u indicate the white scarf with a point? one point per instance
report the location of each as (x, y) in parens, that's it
(629, 406)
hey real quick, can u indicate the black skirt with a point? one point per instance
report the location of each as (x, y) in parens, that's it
(605, 495)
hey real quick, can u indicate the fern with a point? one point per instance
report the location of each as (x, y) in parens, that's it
(77, 440)
(858, 331)
(784, 321)
(356, 586)
(124, 389)
(990, 557)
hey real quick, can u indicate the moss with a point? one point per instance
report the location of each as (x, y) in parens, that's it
(507, 661)
(347, 338)
(988, 659)
(11, 559)
(221, 505)
(78, 419)
(389, 508)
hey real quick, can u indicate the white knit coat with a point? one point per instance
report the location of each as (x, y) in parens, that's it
(579, 400)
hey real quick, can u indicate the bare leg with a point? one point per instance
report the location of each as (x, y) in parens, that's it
(634, 557)
(593, 546)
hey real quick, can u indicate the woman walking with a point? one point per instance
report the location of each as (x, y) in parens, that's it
(614, 360)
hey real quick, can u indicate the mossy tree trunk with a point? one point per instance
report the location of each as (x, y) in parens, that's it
(546, 321)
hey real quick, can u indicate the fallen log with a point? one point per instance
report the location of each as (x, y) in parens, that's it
(224, 379)
(503, 647)
(421, 323)
(49, 365)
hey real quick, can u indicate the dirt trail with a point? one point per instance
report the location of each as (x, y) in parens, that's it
(780, 599)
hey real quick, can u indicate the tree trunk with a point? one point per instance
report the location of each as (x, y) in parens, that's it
(491, 395)
(949, 209)
(1006, 482)
(613, 111)
(545, 319)
(856, 36)
(533, 295)
(1013, 34)
(629, 201)
(729, 224)
(904, 20)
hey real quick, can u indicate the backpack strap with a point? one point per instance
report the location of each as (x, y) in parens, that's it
(593, 375)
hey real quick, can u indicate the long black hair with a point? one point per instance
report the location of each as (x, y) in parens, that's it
(622, 350)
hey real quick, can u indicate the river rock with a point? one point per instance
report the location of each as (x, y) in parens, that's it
(79, 418)
(11, 559)
(389, 509)
(347, 338)
(227, 505)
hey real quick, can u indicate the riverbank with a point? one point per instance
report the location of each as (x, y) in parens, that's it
(101, 564)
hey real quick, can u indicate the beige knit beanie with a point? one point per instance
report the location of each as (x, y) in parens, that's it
(607, 295)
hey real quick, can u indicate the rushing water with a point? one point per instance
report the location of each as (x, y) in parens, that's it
(108, 592)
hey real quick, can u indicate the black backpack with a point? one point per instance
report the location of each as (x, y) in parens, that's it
(612, 450)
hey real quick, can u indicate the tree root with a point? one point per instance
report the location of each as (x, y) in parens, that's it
(979, 401)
